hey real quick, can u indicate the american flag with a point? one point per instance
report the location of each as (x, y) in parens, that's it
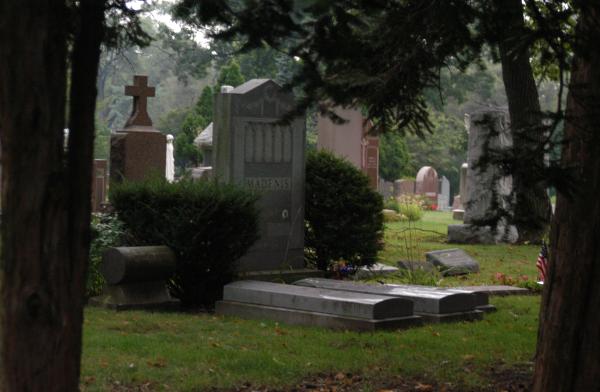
(542, 263)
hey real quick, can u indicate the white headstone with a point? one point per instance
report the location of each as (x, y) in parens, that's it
(170, 164)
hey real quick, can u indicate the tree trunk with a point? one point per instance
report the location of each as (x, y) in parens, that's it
(45, 195)
(532, 205)
(569, 341)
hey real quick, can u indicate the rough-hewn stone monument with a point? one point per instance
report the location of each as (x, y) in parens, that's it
(138, 150)
(486, 187)
(254, 149)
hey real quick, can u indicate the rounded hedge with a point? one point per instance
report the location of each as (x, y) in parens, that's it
(344, 219)
(208, 225)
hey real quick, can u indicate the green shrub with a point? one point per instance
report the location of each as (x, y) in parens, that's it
(343, 214)
(411, 207)
(391, 204)
(107, 231)
(209, 226)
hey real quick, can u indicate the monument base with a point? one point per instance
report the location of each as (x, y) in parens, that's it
(472, 234)
(281, 276)
(312, 319)
(136, 296)
(458, 214)
(436, 318)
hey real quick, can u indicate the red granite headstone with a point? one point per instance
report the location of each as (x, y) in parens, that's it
(370, 151)
(138, 151)
(427, 183)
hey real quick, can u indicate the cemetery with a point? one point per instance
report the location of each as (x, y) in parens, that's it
(417, 289)
(299, 196)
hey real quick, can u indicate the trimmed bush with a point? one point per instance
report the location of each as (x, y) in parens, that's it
(343, 214)
(107, 231)
(391, 204)
(208, 225)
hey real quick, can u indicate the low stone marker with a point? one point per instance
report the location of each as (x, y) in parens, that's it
(377, 269)
(452, 261)
(434, 305)
(136, 278)
(499, 290)
(315, 306)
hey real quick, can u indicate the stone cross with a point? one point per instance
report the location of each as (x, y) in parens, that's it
(140, 91)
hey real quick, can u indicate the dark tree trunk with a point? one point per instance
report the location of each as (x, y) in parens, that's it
(532, 205)
(569, 342)
(45, 193)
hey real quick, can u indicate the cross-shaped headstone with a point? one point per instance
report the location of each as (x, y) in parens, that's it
(140, 91)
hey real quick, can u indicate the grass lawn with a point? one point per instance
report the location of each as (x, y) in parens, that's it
(410, 241)
(145, 351)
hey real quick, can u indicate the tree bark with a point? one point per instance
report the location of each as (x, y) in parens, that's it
(569, 339)
(45, 193)
(532, 205)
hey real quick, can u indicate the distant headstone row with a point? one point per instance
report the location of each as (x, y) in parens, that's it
(426, 184)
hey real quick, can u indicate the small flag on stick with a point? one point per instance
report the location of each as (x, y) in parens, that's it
(542, 263)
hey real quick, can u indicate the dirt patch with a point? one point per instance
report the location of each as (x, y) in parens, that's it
(515, 379)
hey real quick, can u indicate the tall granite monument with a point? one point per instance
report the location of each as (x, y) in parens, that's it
(138, 150)
(351, 140)
(254, 149)
(486, 187)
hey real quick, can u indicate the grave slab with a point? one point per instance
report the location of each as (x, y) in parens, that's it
(452, 261)
(482, 301)
(312, 319)
(319, 300)
(426, 301)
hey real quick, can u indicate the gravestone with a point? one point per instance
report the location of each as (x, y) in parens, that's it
(427, 183)
(170, 160)
(204, 142)
(351, 140)
(138, 151)
(404, 187)
(386, 189)
(443, 198)
(452, 262)
(253, 149)
(486, 128)
(458, 209)
(433, 305)
(136, 278)
(314, 306)
(99, 184)
(370, 151)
